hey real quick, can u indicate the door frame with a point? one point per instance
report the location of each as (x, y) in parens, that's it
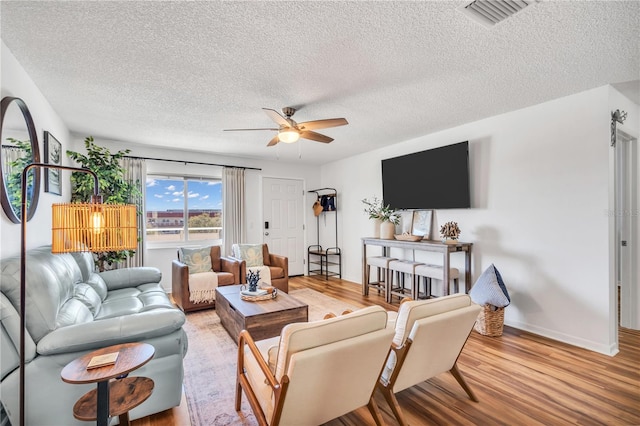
(302, 213)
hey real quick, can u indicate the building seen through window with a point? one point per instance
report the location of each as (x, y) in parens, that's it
(183, 209)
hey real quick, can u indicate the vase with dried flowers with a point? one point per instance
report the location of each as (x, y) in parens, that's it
(385, 217)
(450, 232)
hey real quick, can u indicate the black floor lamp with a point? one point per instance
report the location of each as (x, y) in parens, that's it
(75, 227)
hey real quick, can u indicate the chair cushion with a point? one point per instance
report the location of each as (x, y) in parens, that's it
(250, 253)
(413, 310)
(298, 337)
(489, 289)
(198, 259)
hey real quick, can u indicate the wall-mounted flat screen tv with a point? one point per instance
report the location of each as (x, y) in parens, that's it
(433, 179)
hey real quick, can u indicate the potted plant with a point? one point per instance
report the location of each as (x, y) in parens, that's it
(450, 232)
(385, 217)
(114, 188)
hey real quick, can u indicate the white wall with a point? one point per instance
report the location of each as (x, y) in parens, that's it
(540, 196)
(16, 83)
(161, 257)
(540, 189)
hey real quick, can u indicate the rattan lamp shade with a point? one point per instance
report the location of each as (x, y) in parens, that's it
(93, 227)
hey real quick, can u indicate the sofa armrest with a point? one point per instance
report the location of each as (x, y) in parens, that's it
(131, 277)
(243, 269)
(231, 265)
(180, 283)
(280, 261)
(112, 331)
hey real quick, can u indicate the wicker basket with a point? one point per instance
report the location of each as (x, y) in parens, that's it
(490, 322)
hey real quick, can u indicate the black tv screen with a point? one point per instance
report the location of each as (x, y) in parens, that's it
(433, 179)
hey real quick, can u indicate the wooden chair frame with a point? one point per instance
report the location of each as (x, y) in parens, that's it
(279, 388)
(386, 387)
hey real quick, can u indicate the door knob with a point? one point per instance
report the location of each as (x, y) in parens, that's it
(266, 233)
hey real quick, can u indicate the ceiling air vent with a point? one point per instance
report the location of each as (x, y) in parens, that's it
(491, 12)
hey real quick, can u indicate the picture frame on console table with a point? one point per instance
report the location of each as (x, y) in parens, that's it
(421, 223)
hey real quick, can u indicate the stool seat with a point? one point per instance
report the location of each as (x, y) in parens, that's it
(400, 269)
(429, 272)
(436, 271)
(382, 265)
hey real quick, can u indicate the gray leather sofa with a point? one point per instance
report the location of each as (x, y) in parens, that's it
(72, 310)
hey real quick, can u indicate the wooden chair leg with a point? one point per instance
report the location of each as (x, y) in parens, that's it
(458, 376)
(375, 412)
(238, 395)
(393, 403)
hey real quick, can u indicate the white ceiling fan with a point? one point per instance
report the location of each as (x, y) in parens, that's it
(289, 131)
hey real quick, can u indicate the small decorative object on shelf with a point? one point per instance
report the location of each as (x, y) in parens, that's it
(405, 236)
(450, 232)
(253, 277)
(385, 214)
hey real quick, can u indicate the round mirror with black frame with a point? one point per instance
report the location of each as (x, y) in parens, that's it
(19, 148)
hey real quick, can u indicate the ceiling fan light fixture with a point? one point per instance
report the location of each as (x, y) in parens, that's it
(288, 135)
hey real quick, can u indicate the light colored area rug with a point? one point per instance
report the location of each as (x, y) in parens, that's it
(210, 364)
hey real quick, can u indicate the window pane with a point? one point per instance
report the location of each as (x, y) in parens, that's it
(204, 206)
(165, 209)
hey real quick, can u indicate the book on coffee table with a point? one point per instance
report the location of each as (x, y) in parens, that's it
(102, 360)
(259, 292)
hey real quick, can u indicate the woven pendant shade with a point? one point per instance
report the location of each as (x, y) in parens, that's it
(93, 227)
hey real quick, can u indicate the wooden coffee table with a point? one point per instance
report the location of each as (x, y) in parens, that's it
(263, 319)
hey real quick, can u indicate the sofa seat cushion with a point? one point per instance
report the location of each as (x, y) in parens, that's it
(127, 301)
(119, 307)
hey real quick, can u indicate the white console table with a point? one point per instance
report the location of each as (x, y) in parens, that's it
(424, 245)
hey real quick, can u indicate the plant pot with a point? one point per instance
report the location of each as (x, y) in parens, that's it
(387, 230)
(449, 241)
(376, 227)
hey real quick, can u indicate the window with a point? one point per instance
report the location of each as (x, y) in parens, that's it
(182, 209)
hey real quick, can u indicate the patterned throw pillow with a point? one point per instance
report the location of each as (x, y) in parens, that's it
(198, 260)
(251, 253)
(489, 289)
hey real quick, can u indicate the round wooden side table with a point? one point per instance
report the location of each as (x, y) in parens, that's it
(111, 397)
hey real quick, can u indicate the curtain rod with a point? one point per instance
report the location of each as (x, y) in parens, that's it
(191, 162)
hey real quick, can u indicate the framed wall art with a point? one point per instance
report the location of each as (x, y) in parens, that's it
(52, 155)
(421, 224)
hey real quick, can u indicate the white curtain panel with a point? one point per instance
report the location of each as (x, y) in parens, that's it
(233, 208)
(136, 173)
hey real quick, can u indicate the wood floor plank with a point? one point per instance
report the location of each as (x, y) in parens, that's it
(520, 378)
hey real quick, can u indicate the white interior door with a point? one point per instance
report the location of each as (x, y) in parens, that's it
(626, 223)
(282, 225)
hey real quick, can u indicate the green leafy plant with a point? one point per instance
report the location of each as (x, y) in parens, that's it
(14, 180)
(377, 210)
(113, 188)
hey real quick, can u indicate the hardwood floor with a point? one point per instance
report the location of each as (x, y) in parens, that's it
(519, 378)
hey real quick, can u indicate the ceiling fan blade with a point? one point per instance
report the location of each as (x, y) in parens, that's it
(322, 124)
(243, 130)
(308, 134)
(273, 141)
(275, 116)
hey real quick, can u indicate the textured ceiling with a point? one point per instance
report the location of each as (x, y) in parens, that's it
(175, 74)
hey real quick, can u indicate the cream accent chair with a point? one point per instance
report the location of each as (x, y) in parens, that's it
(429, 336)
(316, 371)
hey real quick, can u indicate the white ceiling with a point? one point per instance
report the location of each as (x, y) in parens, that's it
(175, 74)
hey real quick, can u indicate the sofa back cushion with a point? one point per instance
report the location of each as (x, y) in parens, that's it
(197, 259)
(252, 254)
(50, 282)
(85, 262)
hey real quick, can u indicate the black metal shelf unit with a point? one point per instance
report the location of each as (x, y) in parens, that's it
(325, 262)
